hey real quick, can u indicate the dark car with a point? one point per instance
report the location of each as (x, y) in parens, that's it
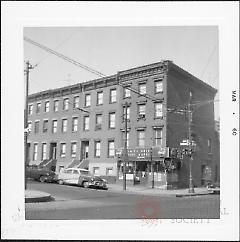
(92, 182)
(213, 188)
(41, 174)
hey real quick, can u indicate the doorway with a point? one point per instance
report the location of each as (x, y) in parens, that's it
(84, 150)
(53, 151)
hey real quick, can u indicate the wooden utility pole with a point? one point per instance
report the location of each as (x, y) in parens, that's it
(191, 188)
(28, 67)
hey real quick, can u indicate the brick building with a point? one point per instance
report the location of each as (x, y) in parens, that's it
(63, 132)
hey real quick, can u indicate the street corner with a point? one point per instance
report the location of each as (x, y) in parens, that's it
(32, 196)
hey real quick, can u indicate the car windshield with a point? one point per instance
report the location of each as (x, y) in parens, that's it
(84, 172)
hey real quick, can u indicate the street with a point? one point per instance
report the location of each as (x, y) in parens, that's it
(76, 203)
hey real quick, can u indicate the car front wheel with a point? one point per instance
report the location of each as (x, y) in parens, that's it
(42, 179)
(85, 184)
(60, 182)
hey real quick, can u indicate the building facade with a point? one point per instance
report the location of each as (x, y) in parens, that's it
(83, 124)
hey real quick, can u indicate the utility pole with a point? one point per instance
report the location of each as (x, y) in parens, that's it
(125, 156)
(191, 188)
(28, 67)
(152, 169)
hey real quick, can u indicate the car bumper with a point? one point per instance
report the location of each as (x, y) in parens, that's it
(98, 185)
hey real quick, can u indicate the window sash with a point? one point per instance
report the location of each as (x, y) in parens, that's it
(45, 126)
(74, 124)
(111, 148)
(112, 119)
(99, 98)
(158, 110)
(44, 151)
(46, 109)
(54, 126)
(142, 89)
(35, 150)
(76, 102)
(65, 104)
(87, 100)
(38, 107)
(63, 150)
(141, 138)
(158, 137)
(127, 93)
(36, 130)
(86, 123)
(158, 86)
(64, 125)
(142, 109)
(56, 103)
(97, 148)
(113, 96)
(73, 149)
(30, 109)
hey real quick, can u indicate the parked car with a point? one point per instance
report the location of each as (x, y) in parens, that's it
(81, 177)
(214, 188)
(41, 174)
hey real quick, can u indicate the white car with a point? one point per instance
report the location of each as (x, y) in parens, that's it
(71, 175)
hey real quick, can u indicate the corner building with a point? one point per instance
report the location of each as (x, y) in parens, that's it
(82, 125)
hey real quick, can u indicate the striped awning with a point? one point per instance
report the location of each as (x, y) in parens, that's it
(84, 164)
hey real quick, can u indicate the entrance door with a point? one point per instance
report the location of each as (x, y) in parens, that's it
(53, 151)
(84, 150)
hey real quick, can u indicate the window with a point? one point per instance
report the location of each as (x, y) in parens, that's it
(45, 126)
(65, 104)
(55, 105)
(62, 150)
(86, 123)
(158, 110)
(30, 109)
(36, 130)
(111, 149)
(54, 126)
(74, 124)
(73, 149)
(38, 108)
(158, 86)
(142, 88)
(126, 92)
(128, 113)
(76, 102)
(123, 133)
(112, 118)
(46, 107)
(97, 149)
(141, 110)
(141, 138)
(99, 98)
(113, 95)
(35, 150)
(87, 100)
(96, 171)
(29, 126)
(98, 121)
(64, 125)
(209, 146)
(44, 151)
(158, 137)
(109, 171)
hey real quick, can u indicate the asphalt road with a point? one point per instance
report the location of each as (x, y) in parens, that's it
(74, 203)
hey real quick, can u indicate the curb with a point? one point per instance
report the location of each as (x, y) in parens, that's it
(38, 197)
(193, 194)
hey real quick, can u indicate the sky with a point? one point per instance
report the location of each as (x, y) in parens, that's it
(112, 49)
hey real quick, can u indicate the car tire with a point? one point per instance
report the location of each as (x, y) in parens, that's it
(85, 184)
(60, 182)
(42, 179)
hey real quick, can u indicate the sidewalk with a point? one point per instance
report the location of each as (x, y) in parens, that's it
(32, 196)
(137, 189)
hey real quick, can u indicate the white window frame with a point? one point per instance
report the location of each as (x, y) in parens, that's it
(76, 103)
(113, 98)
(55, 107)
(86, 125)
(63, 151)
(97, 148)
(73, 152)
(111, 150)
(46, 106)
(87, 102)
(64, 125)
(74, 125)
(35, 151)
(100, 100)
(112, 122)
(44, 151)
